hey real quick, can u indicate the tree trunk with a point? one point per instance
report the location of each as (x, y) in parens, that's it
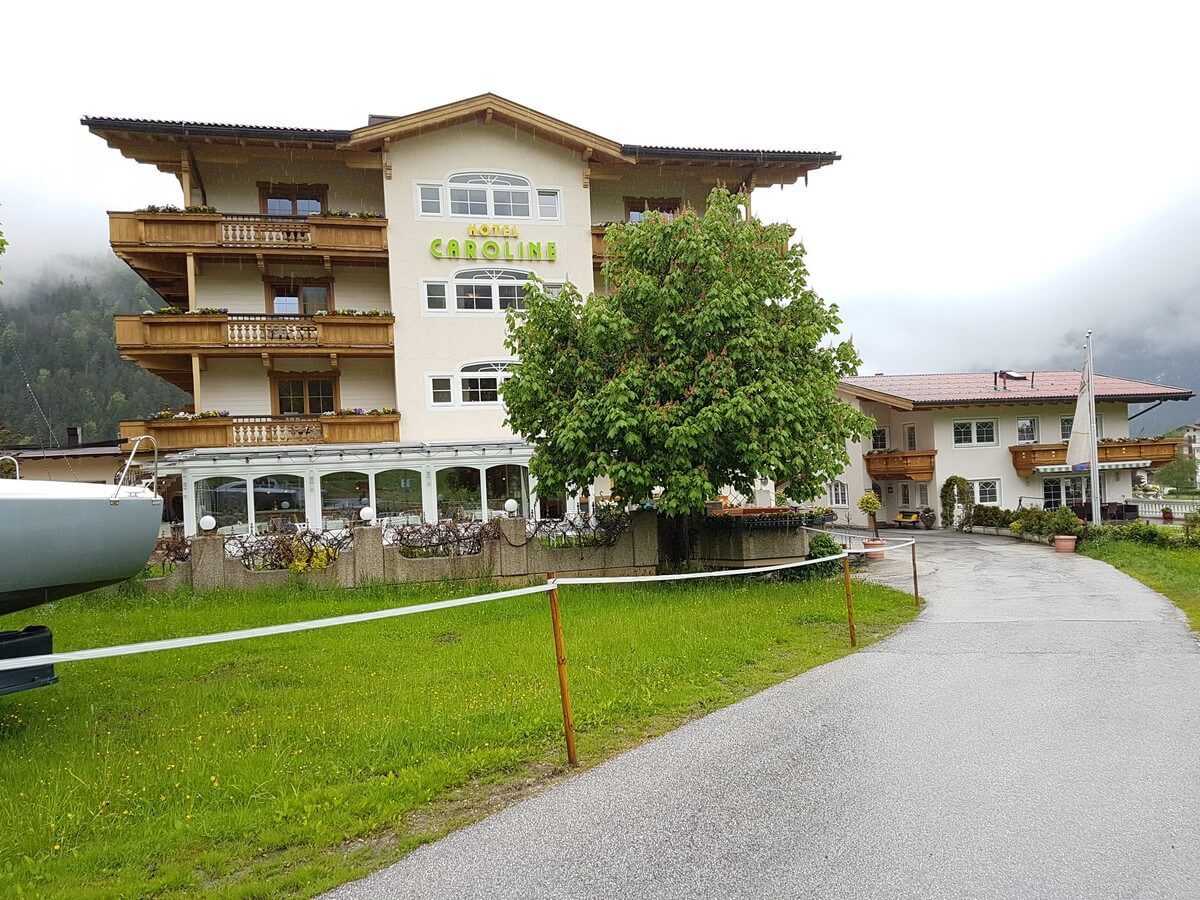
(873, 524)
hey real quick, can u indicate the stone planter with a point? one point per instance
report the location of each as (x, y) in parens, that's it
(1064, 543)
(874, 542)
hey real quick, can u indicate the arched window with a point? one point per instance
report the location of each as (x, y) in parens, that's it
(223, 498)
(459, 494)
(484, 290)
(398, 495)
(278, 502)
(473, 383)
(343, 494)
(490, 195)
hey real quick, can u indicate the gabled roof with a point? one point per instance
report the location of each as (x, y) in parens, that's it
(490, 107)
(975, 388)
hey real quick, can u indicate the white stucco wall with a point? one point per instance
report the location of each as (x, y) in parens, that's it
(429, 344)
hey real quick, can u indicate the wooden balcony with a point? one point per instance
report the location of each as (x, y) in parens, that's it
(901, 465)
(1027, 457)
(235, 334)
(156, 245)
(264, 431)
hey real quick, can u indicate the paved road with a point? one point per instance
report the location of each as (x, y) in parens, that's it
(1033, 734)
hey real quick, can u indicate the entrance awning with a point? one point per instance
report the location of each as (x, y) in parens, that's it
(1104, 467)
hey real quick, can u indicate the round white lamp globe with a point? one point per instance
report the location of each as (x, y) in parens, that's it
(366, 514)
(285, 505)
(207, 523)
(511, 506)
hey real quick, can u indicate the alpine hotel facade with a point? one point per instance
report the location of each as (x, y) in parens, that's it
(337, 299)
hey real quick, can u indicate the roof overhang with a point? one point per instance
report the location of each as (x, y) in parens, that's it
(487, 108)
(863, 393)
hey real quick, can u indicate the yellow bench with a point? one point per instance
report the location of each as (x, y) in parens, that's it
(906, 517)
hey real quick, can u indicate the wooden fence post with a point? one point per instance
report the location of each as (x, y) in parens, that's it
(560, 656)
(849, 600)
(916, 589)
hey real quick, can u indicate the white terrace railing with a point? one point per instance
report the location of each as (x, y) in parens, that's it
(266, 330)
(266, 431)
(265, 231)
(1154, 508)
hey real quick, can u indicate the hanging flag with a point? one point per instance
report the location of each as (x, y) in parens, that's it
(1082, 442)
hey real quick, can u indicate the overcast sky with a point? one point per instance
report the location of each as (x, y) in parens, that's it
(1012, 173)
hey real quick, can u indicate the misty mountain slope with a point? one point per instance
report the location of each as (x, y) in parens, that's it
(59, 330)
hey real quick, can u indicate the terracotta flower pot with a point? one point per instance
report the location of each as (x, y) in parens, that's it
(874, 542)
(1064, 543)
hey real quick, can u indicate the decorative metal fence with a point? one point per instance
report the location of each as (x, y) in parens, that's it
(603, 529)
(427, 539)
(298, 550)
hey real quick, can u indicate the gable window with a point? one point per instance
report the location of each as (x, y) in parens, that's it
(489, 194)
(480, 290)
(275, 199)
(474, 383)
(291, 298)
(637, 207)
(975, 433)
(304, 393)
(429, 197)
(879, 439)
(548, 205)
(1027, 430)
(987, 490)
(839, 494)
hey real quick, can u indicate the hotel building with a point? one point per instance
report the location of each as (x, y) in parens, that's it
(337, 299)
(1007, 436)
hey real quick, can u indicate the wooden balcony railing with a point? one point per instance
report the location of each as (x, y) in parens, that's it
(901, 465)
(264, 431)
(1027, 457)
(233, 332)
(201, 232)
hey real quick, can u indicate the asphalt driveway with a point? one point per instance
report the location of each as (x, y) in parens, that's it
(1034, 733)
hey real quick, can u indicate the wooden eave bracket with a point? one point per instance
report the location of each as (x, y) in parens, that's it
(333, 360)
(266, 361)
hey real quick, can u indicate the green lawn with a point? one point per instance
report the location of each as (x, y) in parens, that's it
(287, 765)
(1174, 572)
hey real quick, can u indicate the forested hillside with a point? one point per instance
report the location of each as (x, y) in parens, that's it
(59, 329)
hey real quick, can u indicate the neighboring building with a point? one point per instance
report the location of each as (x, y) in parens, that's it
(1007, 436)
(1191, 446)
(427, 227)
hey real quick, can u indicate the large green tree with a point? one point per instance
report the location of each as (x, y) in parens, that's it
(706, 362)
(1180, 474)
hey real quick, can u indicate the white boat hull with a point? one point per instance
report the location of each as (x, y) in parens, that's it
(61, 538)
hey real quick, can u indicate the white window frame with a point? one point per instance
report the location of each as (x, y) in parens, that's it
(558, 192)
(905, 495)
(995, 442)
(499, 275)
(887, 437)
(1065, 438)
(417, 204)
(833, 494)
(456, 384)
(975, 482)
(910, 428)
(489, 189)
(1037, 429)
(922, 494)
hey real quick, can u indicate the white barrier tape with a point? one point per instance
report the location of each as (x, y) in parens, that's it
(889, 543)
(25, 662)
(626, 579)
(220, 637)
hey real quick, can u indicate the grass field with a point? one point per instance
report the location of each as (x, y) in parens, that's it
(1174, 572)
(286, 765)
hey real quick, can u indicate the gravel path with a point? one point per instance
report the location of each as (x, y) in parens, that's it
(1034, 733)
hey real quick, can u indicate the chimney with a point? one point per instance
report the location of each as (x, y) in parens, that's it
(74, 433)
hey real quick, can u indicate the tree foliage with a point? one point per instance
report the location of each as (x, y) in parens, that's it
(708, 362)
(59, 332)
(1179, 474)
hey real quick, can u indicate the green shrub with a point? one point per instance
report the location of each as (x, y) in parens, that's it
(957, 490)
(1064, 522)
(823, 545)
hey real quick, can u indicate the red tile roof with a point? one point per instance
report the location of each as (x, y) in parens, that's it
(944, 389)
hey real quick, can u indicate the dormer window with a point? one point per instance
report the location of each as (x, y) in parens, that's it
(489, 195)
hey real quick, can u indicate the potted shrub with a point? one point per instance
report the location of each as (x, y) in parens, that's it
(869, 503)
(1065, 526)
(1168, 515)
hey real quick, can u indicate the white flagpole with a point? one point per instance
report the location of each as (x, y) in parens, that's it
(1094, 461)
